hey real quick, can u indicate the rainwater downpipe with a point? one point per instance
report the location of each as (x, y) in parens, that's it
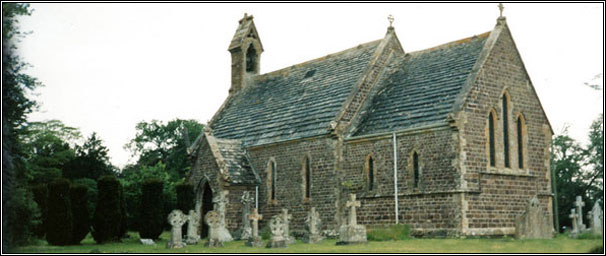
(257, 198)
(395, 175)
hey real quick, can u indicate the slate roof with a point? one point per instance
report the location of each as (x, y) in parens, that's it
(295, 102)
(421, 87)
(236, 162)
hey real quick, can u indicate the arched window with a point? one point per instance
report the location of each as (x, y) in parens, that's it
(491, 145)
(415, 169)
(251, 55)
(520, 125)
(370, 172)
(307, 178)
(506, 130)
(271, 179)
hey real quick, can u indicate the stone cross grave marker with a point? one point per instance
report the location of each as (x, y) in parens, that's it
(193, 223)
(220, 202)
(176, 219)
(313, 224)
(213, 219)
(286, 220)
(276, 225)
(579, 205)
(596, 218)
(352, 204)
(255, 240)
(573, 215)
(245, 230)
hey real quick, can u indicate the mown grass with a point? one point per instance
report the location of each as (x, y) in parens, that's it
(560, 244)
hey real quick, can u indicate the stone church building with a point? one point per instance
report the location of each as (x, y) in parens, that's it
(451, 140)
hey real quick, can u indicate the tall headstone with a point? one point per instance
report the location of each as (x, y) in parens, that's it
(533, 223)
(313, 223)
(176, 219)
(575, 228)
(193, 223)
(245, 231)
(255, 239)
(579, 205)
(277, 240)
(352, 233)
(220, 202)
(596, 218)
(286, 218)
(213, 220)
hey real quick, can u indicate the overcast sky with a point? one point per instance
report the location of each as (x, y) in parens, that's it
(106, 67)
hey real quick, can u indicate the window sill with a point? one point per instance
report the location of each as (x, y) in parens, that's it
(507, 171)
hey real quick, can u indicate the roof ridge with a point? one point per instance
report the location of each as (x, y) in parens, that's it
(451, 43)
(264, 75)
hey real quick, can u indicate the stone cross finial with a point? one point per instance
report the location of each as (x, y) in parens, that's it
(390, 19)
(501, 7)
(352, 204)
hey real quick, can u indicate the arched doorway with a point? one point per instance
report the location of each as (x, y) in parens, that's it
(207, 205)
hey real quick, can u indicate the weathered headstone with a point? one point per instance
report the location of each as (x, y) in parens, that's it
(575, 229)
(277, 240)
(579, 205)
(193, 223)
(352, 233)
(255, 239)
(245, 232)
(313, 223)
(213, 220)
(533, 223)
(220, 202)
(147, 241)
(286, 218)
(176, 219)
(596, 218)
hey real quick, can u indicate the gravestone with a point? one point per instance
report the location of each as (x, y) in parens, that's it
(352, 233)
(575, 229)
(579, 206)
(220, 202)
(147, 241)
(245, 232)
(286, 218)
(533, 223)
(277, 240)
(213, 220)
(176, 219)
(313, 223)
(255, 239)
(193, 223)
(596, 218)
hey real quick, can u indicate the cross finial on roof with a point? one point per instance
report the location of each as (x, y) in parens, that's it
(390, 19)
(501, 7)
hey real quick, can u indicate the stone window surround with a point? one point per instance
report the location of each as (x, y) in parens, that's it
(367, 172)
(411, 172)
(513, 147)
(268, 169)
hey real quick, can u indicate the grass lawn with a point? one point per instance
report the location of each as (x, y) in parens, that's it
(560, 244)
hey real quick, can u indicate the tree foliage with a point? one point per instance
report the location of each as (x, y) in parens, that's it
(59, 224)
(91, 161)
(19, 211)
(80, 214)
(107, 218)
(152, 216)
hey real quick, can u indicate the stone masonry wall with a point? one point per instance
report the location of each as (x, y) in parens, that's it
(503, 192)
(434, 206)
(289, 159)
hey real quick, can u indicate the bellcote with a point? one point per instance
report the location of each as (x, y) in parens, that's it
(245, 49)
